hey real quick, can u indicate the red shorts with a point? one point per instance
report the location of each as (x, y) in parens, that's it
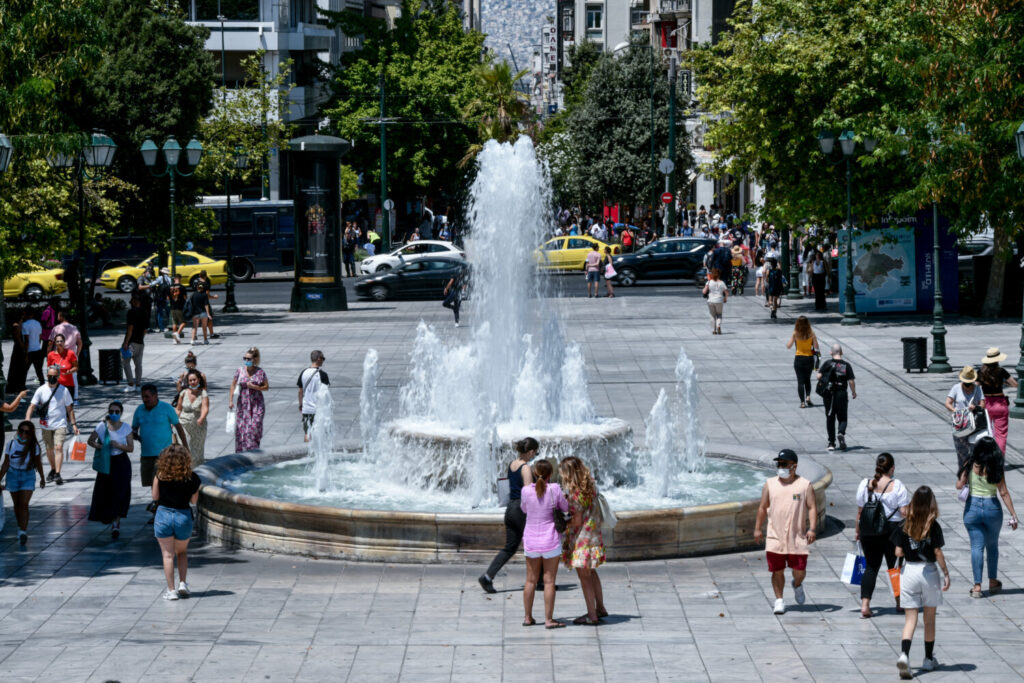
(778, 562)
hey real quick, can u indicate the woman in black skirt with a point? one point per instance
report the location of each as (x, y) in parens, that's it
(112, 494)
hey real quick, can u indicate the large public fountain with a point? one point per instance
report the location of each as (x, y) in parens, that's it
(421, 484)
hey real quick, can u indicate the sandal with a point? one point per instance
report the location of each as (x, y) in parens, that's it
(803, 405)
(975, 594)
(556, 624)
(531, 622)
(585, 621)
(994, 587)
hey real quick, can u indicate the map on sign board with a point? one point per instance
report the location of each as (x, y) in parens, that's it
(884, 270)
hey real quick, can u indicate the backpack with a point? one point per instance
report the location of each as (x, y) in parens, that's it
(873, 519)
(188, 311)
(775, 279)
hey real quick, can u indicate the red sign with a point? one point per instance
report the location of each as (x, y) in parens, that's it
(666, 198)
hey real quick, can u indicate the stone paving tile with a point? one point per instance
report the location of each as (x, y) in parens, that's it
(77, 606)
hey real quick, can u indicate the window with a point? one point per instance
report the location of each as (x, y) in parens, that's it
(265, 223)
(567, 21)
(413, 267)
(439, 265)
(577, 243)
(435, 248)
(554, 245)
(233, 10)
(637, 15)
(595, 21)
(184, 260)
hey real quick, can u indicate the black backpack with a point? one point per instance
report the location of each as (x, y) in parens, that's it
(873, 519)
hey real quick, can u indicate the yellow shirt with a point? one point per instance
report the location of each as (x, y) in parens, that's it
(980, 488)
(805, 347)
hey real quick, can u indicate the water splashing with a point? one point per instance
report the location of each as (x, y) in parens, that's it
(369, 401)
(321, 441)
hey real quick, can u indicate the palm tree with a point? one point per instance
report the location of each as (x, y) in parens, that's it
(501, 110)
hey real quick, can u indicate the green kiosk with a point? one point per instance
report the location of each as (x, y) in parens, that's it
(315, 161)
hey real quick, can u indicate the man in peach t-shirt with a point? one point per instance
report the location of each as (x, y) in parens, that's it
(784, 500)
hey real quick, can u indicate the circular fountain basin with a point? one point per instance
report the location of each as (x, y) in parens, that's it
(239, 520)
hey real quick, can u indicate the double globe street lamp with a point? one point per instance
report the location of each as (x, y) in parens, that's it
(172, 155)
(90, 162)
(848, 145)
(241, 162)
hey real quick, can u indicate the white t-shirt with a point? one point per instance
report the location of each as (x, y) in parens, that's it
(894, 497)
(310, 381)
(716, 291)
(961, 400)
(56, 413)
(120, 435)
(32, 330)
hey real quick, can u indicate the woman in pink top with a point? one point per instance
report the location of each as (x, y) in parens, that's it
(542, 543)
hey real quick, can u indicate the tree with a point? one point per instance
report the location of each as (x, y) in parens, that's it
(427, 60)
(500, 109)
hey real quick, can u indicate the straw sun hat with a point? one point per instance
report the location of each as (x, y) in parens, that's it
(968, 375)
(993, 356)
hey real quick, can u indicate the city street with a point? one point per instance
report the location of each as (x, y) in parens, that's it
(76, 606)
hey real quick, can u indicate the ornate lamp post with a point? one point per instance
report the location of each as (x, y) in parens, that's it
(90, 163)
(794, 267)
(1018, 403)
(6, 151)
(172, 155)
(848, 145)
(241, 160)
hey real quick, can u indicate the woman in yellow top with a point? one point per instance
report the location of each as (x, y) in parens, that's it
(806, 349)
(983, 476)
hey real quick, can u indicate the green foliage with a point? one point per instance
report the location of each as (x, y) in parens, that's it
(33, 212)
(500, 109)
(349, 183)
(428, 63)
(604, 153)
(249, 119)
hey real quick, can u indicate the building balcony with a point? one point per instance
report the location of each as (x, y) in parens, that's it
(249, 36)
(667, 10)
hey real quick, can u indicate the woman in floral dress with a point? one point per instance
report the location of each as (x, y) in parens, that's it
(251, 382)
(583, 548)
(193, 409)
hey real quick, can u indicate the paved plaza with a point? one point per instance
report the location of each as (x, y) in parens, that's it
(77, 606)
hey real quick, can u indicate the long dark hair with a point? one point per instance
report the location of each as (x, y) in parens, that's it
(883, 463)
(991, 375)
(989, 459)
(31, 443)
(524, 446)
(198, 375)
(921, 512)
(542, 472)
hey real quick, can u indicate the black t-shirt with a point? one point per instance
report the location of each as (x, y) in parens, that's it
(919, 551)
(139, 321)
(837, 373)
(177, 494)
(178, 304)
(994, 389)
(199, 303)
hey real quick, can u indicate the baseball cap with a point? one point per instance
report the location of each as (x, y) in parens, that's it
(786, 455)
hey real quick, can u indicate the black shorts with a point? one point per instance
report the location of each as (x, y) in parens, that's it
(147, 469)
(307, 422)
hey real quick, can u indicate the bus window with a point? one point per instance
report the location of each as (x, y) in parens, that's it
(265, 223)
(240, 226)
(286, 224)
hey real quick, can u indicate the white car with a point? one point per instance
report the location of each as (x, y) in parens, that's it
(409, 252)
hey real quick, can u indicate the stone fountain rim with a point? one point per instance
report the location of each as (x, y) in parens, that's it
(213, 472)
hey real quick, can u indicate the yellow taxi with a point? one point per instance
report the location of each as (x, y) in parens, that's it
(36, 284)
(187, 265)
(569, 252)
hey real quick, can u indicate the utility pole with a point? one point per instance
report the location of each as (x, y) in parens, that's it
(386, 237)
(671, 208)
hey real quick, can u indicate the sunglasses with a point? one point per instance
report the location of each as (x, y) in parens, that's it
(246, 357)
(115, 412)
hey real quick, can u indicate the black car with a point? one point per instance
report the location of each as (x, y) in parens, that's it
(667, 258)
(423, 278)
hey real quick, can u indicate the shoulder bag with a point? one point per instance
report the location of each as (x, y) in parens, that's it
(101, 455)
(824, 386)
(873, 519)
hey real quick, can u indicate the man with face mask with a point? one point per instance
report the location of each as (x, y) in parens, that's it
(153, 426)
(785, 499)
(56, 411)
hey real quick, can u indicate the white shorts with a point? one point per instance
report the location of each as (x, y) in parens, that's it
(920, 585)
(759, 272)
(546, 554)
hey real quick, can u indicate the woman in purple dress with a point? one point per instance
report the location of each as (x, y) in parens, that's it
(251, 382)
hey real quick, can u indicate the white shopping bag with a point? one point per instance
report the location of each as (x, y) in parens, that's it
(853, 567)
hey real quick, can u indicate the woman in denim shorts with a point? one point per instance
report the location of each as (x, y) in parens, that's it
(175, 489)
(23, 458)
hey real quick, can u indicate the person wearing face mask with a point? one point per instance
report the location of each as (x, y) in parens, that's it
(63, 357)
(21, 458)
(112, 493)
(788, 503)
(193, 409)
(56, 411)
(181, 383)
(251, 382)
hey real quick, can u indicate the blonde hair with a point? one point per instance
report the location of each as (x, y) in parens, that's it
(576, 478)
(255, 355)
(175, 464)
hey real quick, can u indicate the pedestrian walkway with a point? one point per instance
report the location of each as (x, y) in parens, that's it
(77, 606)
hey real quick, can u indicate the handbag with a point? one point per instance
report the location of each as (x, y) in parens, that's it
(853, 567)
(560, 519)
(609, 271)
(230, 420)
(894, 581)
(76, 451)
(982, 427)
(817, 359)
(101, 455)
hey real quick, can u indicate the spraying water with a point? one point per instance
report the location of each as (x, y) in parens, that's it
(321, 441)
(369, 401)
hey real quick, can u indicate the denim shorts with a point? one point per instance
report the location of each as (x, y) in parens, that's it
(544, 554)
(593, 276)
(20, 480)
(170, 522)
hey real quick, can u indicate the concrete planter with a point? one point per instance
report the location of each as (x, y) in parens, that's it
(243, 521)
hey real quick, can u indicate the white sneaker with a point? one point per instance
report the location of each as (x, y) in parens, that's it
(170, 595)
(456, 324)
(183, 591)
(175, 337)
(192, 343)
(780, 606)
(129, 389)
(929, 664)
(798, 593)
(903, 664)
(206, 342)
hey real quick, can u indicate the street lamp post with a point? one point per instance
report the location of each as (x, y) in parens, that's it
(939, 360)
(794, 268)
(847, 144)
(241, 160)
(6, 150)
(89, 163)
(172, 155)
(1018, 403)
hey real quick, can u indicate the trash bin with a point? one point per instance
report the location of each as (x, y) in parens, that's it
(915, 353)
(110, 366)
